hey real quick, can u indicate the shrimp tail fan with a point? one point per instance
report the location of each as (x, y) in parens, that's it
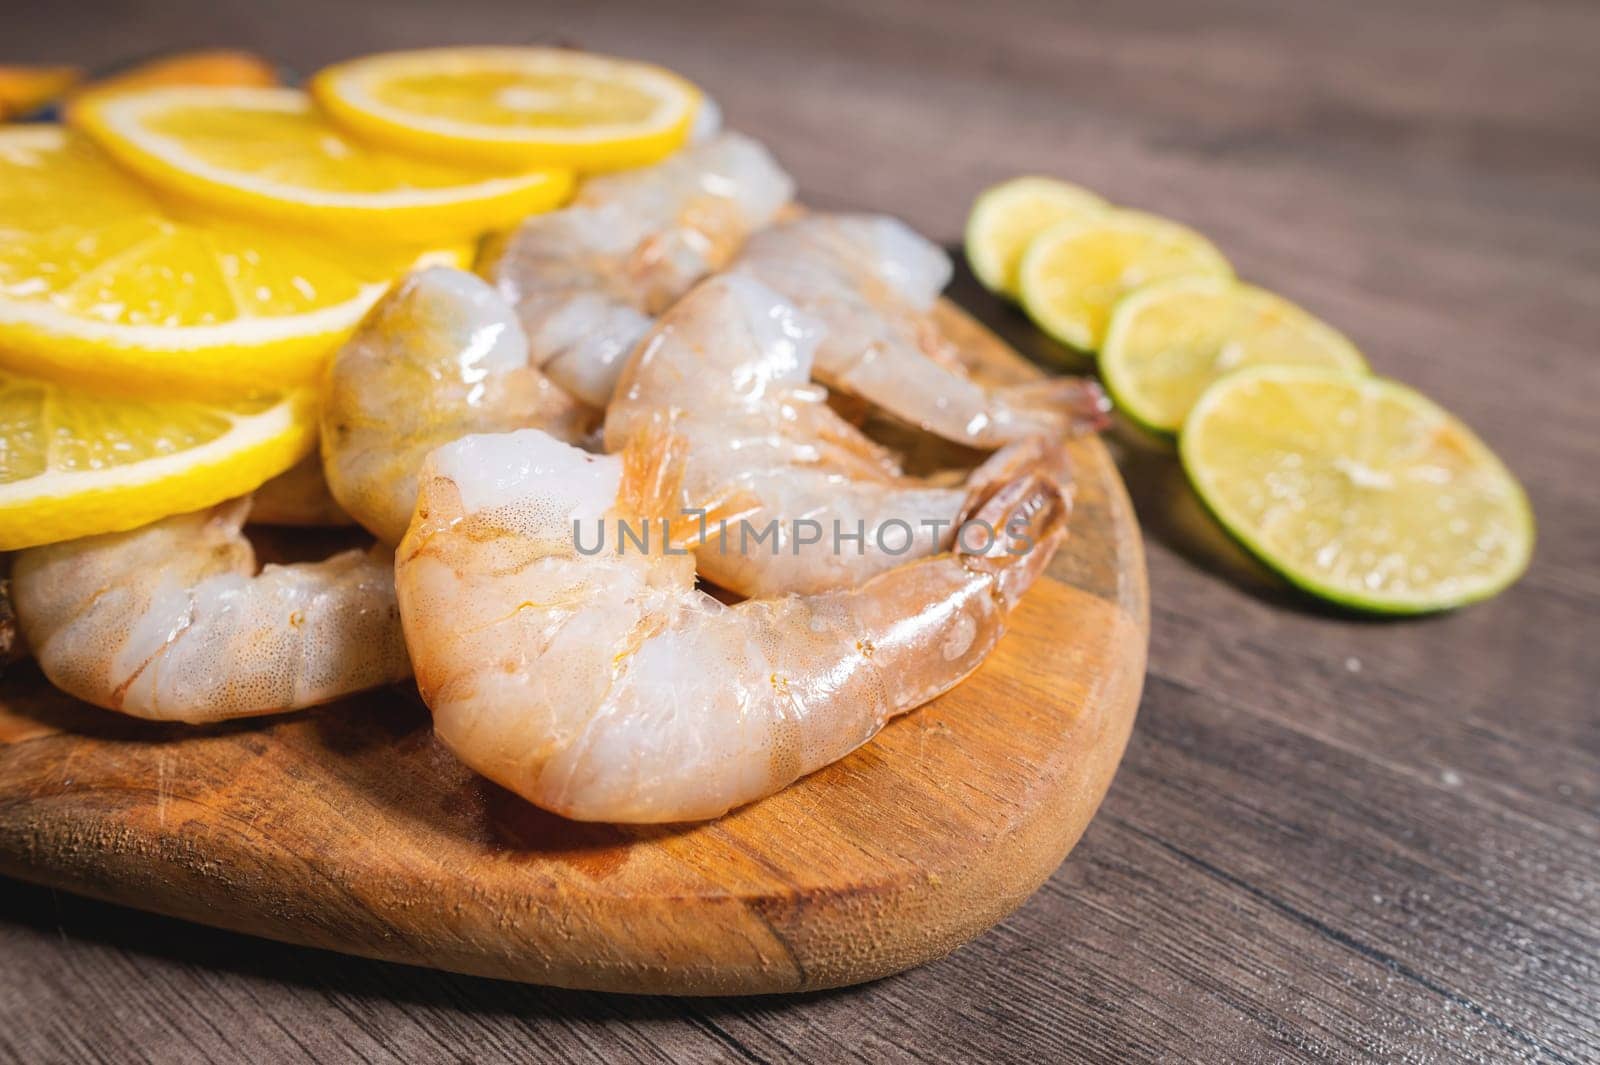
(1078, 404)
(1030, 455)
(1014, 522)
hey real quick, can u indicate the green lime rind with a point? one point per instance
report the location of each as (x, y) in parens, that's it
(1308, 580)
(1006, 217)
(1119, 379)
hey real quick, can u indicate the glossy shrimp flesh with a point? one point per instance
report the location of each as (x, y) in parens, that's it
(173, 622)
(606, 686)
(873, 282)
(796, 499)
(587, 280)
(439, 357)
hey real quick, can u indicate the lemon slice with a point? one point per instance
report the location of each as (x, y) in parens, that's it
(1357, 489)
(104, 284)
(76, 463)
(1073, 274)
(1006, 217)
(269, 154)
(513, 106)
(1167, 341)
(24, 89)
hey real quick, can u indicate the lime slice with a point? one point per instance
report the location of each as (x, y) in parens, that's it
(1357, 489)
(1167, 341)
(1006, 217)
(1073, 274)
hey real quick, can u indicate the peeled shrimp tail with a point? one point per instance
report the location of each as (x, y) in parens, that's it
(1028, 515)
(872, 283)
(1057, 406)
(918, 655)
(1033, 454)
(172, 622)
(653, 465)
(941, 399)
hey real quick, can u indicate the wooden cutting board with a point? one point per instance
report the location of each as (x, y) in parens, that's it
(350, 827)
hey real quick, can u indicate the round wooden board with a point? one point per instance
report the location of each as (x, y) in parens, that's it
(350, 827)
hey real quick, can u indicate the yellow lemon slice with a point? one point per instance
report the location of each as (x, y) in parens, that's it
(513, 106)
(77, 463)
(1169, 340)
(104, 284)
(270, 154)
(1357, 489)
(1006, 217)
(1073, 274)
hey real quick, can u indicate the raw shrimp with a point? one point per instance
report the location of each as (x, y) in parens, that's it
(172, 622)
(439, 357)
(872, 282)
(587, 280)
(606, 687)
(298, 497)
(802, 501)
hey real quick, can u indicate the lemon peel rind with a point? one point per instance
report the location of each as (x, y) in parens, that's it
(115, 125)
(343, 91)
(255, 448)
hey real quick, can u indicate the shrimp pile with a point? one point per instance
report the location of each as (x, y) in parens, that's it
(652, 365)
(729, 368)
(587, 280)
(610, 688)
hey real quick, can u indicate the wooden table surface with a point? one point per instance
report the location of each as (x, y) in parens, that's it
(1331, 839)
